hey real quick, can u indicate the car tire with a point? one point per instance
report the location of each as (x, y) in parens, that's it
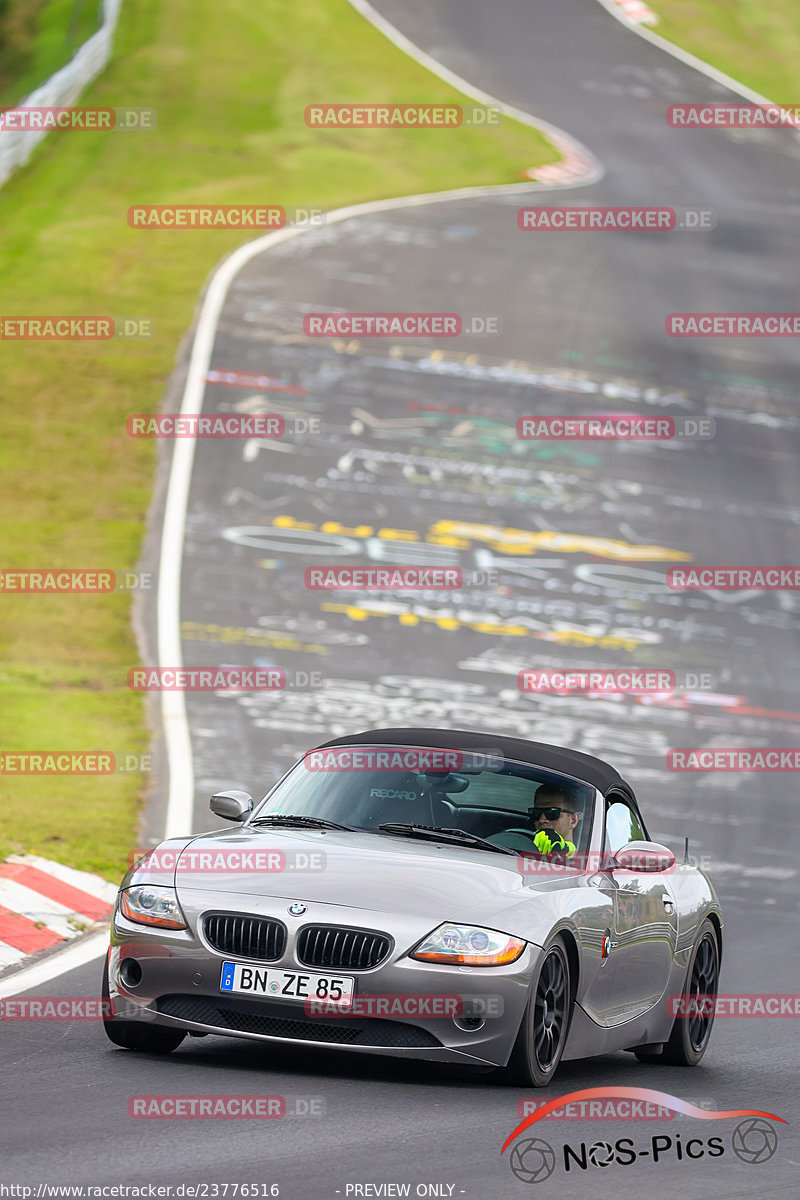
(690, 1034)
(545, 1024)
(688, 1041)
(135, 1035)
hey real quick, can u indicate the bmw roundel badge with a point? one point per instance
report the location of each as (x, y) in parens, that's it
(296, 909)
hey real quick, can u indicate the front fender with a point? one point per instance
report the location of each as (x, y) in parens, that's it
(157, 866)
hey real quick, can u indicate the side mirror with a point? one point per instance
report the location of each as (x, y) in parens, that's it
(232, 806)
(649, 857)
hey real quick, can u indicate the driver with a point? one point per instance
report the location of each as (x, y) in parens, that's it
(555, 816)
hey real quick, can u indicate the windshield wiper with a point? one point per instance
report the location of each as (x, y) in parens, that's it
(289, 819)
(442, 833)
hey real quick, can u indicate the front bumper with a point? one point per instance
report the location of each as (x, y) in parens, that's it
(180, 975)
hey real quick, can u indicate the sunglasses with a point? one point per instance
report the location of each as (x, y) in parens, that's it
(551, 814)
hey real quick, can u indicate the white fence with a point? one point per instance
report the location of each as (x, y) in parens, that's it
(60, 90)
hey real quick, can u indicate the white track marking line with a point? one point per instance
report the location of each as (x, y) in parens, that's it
(684, 56)
(87, 949)
(590, 168)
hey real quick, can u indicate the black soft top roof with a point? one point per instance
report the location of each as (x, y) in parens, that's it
(555, 758)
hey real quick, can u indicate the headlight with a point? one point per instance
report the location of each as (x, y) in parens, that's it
(469, 946)
(149, 905)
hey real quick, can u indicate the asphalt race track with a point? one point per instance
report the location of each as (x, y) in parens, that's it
(416, 460)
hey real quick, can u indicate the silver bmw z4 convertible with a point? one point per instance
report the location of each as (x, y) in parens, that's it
(437, 894)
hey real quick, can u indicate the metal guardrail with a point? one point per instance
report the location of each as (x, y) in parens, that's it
(60, 90)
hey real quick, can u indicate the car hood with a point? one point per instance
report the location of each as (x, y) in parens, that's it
(374, 872)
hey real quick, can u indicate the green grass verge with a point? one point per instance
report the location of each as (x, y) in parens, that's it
(37, 39)
(755, 41)
(230, 84)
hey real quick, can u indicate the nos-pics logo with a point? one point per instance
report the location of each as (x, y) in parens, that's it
(754, 1140)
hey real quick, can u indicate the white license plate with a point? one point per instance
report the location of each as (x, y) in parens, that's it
(287, 985)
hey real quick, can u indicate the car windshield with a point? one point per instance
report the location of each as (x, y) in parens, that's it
(490, 797)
